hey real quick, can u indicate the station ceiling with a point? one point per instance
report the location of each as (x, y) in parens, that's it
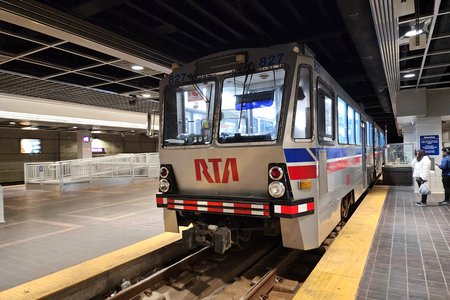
(36, 61)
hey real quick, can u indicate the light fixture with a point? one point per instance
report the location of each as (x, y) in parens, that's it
(30, 128)
(96, 131)
(70, 120)
(12, 123)
(410, 75)
(414, 32)
(74, 127)
(146, 95)
(137, 67)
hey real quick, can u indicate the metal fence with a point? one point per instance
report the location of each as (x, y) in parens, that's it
(126, 166)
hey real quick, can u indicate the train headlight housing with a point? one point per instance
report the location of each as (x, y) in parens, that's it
(163, 172)
(276, 173)
(276, 189)
(164, 185)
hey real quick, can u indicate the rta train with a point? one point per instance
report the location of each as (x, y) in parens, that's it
(261, 142)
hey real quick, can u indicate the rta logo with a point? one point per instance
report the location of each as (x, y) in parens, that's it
(201, 168)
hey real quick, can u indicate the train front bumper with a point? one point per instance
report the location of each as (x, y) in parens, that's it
(244, 206)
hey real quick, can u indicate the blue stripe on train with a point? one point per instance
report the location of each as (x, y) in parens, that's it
(297, 155)
(338, 152)
(302, 155)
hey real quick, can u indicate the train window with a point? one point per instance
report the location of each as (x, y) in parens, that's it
(188, 114)
(250, 108)
(302, 118)
(357, 128)
(342, 121)
(382, 140)
(377, 143)
(351, 124)
(325, 113)
(369, 133)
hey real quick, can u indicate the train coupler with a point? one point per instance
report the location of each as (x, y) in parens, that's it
(211, 235)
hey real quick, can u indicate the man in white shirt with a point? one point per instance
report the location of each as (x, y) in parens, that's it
(421, 165)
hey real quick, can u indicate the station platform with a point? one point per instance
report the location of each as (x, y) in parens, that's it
(46, 231)
(390, 248)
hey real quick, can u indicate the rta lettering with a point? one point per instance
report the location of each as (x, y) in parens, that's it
(230, 166)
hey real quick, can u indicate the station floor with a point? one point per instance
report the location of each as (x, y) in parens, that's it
(46, 231)
(408, 257)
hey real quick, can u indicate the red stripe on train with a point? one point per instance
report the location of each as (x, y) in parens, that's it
(302, 172)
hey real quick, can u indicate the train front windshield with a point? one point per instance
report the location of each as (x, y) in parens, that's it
(249, 109)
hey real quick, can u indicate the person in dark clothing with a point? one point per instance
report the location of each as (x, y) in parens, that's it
(445, 167)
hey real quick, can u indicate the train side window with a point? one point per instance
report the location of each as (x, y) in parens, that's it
(342, 121)
(351, 124)
(382, 140)
(377, 143)
(302, 118)
(369, 134)
(325, 113)
(357, 128)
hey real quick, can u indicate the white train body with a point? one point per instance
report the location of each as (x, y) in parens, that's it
(255, 139)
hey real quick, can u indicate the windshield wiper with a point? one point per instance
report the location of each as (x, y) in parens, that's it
(243, 95)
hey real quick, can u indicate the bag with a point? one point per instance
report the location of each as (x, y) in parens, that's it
(424, 189)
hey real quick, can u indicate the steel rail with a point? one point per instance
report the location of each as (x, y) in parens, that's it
(160, 276)
(263, 287)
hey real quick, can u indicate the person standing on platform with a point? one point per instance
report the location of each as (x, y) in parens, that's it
(445, 167)
(421, 165)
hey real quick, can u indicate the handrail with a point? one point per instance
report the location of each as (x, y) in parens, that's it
(141, 165)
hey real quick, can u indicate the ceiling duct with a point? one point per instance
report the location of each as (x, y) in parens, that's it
(358, 20)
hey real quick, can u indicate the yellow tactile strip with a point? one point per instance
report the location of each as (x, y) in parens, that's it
(57, 281)
(338, 273)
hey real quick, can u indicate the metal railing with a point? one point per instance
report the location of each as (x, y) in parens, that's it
(131, 166)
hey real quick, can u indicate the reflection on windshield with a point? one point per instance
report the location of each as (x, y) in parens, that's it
(188, 114)
(251, 106)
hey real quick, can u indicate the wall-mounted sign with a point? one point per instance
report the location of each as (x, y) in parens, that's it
(30, 146)
(98, 150)
(86, 139)
(430, 143)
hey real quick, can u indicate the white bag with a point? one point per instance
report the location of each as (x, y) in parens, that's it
(424, 189)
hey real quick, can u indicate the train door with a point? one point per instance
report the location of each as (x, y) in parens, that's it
(364, 152)
(325, 128)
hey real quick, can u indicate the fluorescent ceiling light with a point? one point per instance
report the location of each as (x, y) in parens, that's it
(410, 75)
(12, 123)
(30, 128)
(413, 32)
(74, 127)
(137, 68)
(70, 120)
(146, 95)
(96, 131)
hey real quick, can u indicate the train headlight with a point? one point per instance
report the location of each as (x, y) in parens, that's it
(275, 173)
(276, 189)
(164, 185)
(163, 172)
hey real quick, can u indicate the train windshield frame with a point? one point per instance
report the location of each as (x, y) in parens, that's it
(189, 111)
(251, 106)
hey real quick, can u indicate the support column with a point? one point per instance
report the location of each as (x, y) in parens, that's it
(84, 140)
(427, 126)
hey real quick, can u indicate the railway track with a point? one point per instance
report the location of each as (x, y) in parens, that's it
(265, 270)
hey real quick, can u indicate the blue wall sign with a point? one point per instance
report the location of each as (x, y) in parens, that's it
(41, 169)
(430, 143)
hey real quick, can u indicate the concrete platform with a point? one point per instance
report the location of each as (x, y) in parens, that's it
(47, 231)
(390, 249)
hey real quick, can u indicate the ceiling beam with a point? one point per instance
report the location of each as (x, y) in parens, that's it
(186, 19)
(215, 19)
(232, 11)
(44, 19)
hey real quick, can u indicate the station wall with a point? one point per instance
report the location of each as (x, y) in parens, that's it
(59, 145)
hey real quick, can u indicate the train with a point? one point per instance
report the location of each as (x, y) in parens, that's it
(261, 142)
